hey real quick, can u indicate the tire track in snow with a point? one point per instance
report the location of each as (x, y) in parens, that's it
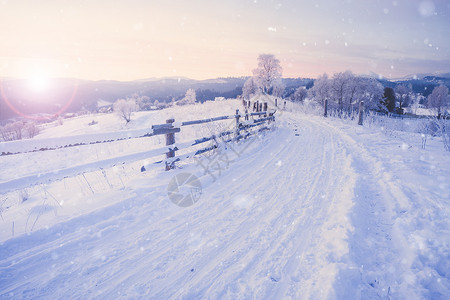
(294, 264)
(290, 241)
(233, 251)
(308, 269)
(378, 221)
(248, 260)
(278, 227)
(222, 217)
(235, 238)
(240, 238)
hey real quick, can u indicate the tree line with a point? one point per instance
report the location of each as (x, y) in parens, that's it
(343, 91)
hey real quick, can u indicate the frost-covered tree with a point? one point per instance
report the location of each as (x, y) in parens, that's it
(143, 102)
(320, 90)
(370, 91)
(189, 98)
(340, 87)
(250, 88)
(403, 94)
(268, 73)
(299, 94)
(278, 88)
(355, 92)
(348, 90)
(439, 100)
(31, 129)
(12, 131)
(345, 91)
(124, 108)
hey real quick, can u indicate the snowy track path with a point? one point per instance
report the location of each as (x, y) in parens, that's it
(256, 235)
(275, 225)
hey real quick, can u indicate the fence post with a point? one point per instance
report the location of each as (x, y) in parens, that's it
(237, 123)
(361, 113)
(170, 140)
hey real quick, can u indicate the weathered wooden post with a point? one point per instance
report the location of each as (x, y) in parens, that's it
(237, 123)
(276, 102)
(170, 140)
(265, 106)
(325, 113)
(361, 113)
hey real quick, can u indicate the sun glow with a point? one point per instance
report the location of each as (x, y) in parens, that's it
(38, 83)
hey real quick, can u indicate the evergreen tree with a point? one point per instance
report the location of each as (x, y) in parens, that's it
(389, 99)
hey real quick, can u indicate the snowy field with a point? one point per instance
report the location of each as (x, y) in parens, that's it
(313, 209)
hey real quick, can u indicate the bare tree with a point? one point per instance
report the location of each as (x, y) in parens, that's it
(440, 128)
(321, 92)
(299, 94)
(321, 89)
(250, 88)
(439, 100)
(143, 102)
(346, 91)
(12, 131)
(31, 129)
(124, 108)
(371, 92)
(353, 92)
(278, 88)
(7, 134)
(403, 93)
(339, 88)
(268, 73)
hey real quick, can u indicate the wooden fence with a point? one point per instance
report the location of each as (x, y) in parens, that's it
(240, 126)
(245, 125)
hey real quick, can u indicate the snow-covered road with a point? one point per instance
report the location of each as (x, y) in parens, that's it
(305, 213)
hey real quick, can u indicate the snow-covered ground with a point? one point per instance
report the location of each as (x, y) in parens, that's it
(314, 209)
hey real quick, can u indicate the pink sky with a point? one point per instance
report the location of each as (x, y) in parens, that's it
(128, 40)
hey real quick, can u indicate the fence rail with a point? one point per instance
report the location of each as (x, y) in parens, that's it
(35, 145)
(169, 151)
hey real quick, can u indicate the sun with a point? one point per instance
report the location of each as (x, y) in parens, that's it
(38, 83)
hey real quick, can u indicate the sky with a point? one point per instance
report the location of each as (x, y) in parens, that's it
(201, 39)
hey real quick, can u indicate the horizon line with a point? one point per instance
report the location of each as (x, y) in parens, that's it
(371, 74)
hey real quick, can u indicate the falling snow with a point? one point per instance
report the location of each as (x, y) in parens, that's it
(344, 210)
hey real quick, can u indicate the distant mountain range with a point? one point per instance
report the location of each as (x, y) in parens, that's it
(422, 76)
(72, 95)
(75, 95)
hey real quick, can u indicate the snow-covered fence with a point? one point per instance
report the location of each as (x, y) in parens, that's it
(171, 127)
(241, 131)
(35, 145)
